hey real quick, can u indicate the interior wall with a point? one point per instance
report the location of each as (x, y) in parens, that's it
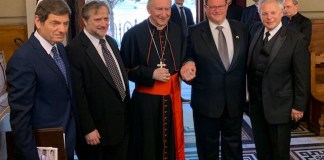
(313, 9)
(20, 12)
(12, 12)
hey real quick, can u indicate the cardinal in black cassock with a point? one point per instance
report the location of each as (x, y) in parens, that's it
(152, 54)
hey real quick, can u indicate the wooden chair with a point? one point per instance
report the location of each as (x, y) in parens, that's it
(316, 108)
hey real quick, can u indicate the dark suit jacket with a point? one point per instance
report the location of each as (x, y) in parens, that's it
(214, 87)
(234, 12)
(39, 97)
(250, 15)
(175, 16)
(300, 23)
(99, 105)
(286, 79)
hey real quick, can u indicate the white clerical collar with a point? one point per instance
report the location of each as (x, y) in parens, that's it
(157, 27)
(45, 44)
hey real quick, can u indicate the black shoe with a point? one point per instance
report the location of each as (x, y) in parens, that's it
(185, 100)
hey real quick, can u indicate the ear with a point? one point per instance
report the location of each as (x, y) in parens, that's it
(84, 22)
(148, 9)
(37, 22)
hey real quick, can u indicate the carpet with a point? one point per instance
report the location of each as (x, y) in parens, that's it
(305, 145)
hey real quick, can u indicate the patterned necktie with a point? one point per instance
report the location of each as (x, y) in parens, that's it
(266, 39)
(112, 68)
(59, 62)
(183, 21)
(222, 48)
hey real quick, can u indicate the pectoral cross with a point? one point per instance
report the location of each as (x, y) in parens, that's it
(161, 64)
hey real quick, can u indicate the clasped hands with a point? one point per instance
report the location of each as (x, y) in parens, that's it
(161, 74)
(188, 71)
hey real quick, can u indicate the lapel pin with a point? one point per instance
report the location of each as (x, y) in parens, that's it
(237, 37)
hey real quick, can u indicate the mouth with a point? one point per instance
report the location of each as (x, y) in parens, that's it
(60, 36)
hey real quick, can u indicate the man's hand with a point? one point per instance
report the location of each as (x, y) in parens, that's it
(93, 138)
(161, 74)
(188, 71)
(296, 115)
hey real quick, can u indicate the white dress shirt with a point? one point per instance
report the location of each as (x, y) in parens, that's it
(228, 36)
(97, 45)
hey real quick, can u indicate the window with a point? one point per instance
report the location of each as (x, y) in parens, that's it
(127, 13)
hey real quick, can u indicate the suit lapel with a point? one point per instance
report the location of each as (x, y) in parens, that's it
(176, 14)
(278, 44)
(119, 60)
(209, 40)
(44, 56)
(236, 37)
(98, 62)
(253, 43)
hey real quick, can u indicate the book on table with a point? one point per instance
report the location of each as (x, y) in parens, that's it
(47, 140)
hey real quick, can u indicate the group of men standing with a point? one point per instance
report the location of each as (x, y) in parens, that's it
(84, 86)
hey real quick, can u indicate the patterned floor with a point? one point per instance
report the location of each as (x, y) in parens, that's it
(305, 145)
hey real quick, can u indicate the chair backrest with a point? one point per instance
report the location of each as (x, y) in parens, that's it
(317, 75)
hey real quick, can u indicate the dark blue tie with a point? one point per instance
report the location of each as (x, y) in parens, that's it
(112, 68)
(59, 62)
(183, 21)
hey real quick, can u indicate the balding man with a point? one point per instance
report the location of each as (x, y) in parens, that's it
(295, 20)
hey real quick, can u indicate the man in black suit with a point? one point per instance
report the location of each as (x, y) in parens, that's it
(101, 88)
(250, 15)
(218, 90)
(234, 11)
(176, 10)
(38, 76)
(296, 20)
(278, 82)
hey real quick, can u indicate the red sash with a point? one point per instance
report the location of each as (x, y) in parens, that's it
(172, 88)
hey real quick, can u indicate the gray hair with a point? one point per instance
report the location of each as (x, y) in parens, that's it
(295, 2)
(279, 2)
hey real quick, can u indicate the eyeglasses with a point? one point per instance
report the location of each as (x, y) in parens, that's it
(222, 7)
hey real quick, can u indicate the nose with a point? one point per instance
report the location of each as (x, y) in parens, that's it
(62, 28)
(104, 22)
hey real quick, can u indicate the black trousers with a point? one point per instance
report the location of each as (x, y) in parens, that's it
(210, 132)
(99, 152)
(272, 141)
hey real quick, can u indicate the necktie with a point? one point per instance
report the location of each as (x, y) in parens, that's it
(59, 62)
(222, 48)
(183, 21)
(266, 39)
(112, 68)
